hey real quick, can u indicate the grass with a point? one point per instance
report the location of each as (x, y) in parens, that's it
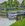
(19, 23)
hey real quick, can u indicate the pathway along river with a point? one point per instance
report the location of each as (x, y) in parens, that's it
(6, 21)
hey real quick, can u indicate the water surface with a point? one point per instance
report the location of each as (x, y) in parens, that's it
(6, 21)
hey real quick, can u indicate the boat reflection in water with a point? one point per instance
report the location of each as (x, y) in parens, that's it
(12, 15)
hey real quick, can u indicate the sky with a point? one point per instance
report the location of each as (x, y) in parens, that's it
(20, 1)
(2, 1)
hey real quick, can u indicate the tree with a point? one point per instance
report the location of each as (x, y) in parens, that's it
(10, 4)
(3, 5)
(13, 4)
(23, 3)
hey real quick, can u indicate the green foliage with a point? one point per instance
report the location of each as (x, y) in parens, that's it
(9, 4)
(19, 23)
(24, 2)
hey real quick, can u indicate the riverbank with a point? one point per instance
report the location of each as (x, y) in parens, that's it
(19, 23)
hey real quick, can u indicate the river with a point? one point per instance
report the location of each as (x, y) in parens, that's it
(6, 21)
